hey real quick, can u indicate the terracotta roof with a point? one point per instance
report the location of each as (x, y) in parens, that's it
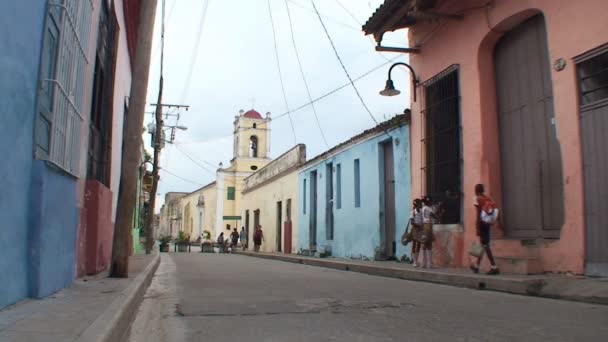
(396, 14)
(396, 121)
(252, 114)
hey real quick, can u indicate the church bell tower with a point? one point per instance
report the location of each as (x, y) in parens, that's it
(252, 138)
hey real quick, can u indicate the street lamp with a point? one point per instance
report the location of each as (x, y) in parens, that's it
(389, 89)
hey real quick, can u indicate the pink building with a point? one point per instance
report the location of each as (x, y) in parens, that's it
(512, 94)
(113, 33)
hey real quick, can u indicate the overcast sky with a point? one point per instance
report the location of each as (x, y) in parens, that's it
(233, 66)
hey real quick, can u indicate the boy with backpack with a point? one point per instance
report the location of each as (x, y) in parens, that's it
(486, 215)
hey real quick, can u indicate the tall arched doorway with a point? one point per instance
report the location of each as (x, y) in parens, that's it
(531, 163)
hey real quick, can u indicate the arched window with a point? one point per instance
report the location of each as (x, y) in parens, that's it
(255, 125)
(253, 146)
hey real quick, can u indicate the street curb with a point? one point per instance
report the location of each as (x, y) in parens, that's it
(528, 287)
(115, 320)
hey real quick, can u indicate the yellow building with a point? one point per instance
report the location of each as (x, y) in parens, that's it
(217, 206)
(270, 199)
(196, 215)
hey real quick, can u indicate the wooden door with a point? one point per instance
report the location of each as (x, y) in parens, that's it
(389, 198)
(592, 70)
(329, 202)
(279, 225)
(313, 211)
(531, 163)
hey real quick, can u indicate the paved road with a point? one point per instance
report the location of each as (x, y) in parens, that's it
(209, 297)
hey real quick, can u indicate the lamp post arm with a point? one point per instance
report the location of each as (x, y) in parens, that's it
(414, 78)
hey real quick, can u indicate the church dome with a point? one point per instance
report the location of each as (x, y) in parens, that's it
(252, 114)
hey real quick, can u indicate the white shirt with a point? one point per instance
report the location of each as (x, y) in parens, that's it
(427, 214)
(416, 216)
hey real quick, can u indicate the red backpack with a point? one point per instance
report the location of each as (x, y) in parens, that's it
(489, 211)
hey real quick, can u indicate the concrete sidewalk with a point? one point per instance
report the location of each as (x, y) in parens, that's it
(574, 288)
(94, 308)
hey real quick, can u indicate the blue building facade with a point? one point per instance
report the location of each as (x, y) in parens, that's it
(39, 214)
(355, 198)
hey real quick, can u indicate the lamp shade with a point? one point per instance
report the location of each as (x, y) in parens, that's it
(389, 89)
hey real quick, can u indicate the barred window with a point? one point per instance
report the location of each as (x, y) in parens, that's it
(592, 70)
(442, 170)
(62, 75)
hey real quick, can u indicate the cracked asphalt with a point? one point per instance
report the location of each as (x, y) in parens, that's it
(211, 297)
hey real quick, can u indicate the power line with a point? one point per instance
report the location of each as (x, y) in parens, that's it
(358, 29)
(371, 40)
(180, 177)
(343, 66)
(295, 47)
(194, 161)
(276, 52)
(201, 24)
(166, 22)
(305, 104)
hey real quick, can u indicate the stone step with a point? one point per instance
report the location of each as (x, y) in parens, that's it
(519, 265)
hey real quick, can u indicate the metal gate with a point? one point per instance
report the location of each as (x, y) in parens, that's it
(442, 170)
(592, 70)
(531, 165)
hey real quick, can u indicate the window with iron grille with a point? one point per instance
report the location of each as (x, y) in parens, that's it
(441, 143)
(592, 69)
(62, 77)
(100, 125)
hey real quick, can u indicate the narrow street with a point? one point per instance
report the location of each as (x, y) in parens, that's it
(210, 297)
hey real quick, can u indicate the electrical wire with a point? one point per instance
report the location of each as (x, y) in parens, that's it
(358, 29)
(166, 22)
(180, 177)
(352, 83)
(371, 40)
(295, 48)
(206, 169)
(276, 52)
(201, 24)
(302, 106)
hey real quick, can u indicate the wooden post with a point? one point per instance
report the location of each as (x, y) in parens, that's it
(157, 146)
(131, 153)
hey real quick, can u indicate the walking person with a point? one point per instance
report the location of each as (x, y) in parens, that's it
(220, 242)
(485, 203)
(243, 238)
(258, 238)
(416, 222)
(426, 238)
(235, 239)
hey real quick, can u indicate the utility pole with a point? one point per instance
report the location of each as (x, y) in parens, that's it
(158, 144)
(119, 267)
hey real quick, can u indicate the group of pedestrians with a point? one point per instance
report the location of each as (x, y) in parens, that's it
(422, 219)
(230, 243)
(424, 214)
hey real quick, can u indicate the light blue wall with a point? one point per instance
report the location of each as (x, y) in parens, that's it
(20, 43)
(38, 214)
(357, 230)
